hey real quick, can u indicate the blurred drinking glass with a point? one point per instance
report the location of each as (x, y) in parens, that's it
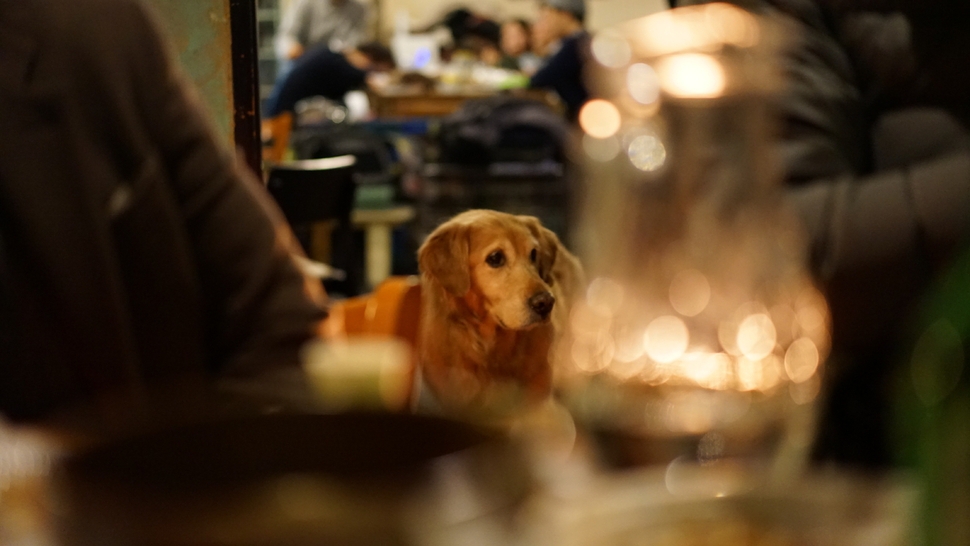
(701, 336)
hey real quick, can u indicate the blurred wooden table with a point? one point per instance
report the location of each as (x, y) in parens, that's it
(415, 102)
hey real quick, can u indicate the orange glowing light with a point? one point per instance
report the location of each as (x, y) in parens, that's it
(801, 360)
(666, 339)
(731, 25)
(611, 49)
(599, 118)
(756, 336)
(691, 75)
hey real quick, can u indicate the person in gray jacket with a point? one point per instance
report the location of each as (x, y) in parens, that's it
(134, 251)
(307, 24)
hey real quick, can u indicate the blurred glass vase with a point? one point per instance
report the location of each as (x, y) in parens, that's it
(701, 333)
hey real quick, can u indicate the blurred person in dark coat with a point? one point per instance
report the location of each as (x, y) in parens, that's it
(876, 151)
(329, 74)
(134, 251)
(561, 22)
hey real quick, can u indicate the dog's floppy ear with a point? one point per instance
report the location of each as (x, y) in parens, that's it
(548, 246)
(444, 257)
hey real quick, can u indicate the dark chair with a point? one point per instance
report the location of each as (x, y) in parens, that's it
(317, 190)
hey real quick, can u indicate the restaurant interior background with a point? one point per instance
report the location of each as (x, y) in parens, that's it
(775, 334)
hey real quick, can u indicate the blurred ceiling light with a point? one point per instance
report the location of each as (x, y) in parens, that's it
(601, 149)
(666, 339)
(691, 76)
(647, 153)
(642, 83)
(689, 292)
(756, 336)
(801, 360)
(611, 49)
(599, 118)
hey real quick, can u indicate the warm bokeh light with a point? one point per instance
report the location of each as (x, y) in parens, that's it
(801, 360)
(605, 295)
(647, 153)
(772, 372)
(629, 345)
(627, 369)
(592, 355)
(587, 321)
(700, 28)
(749, 374)
(731, 25)
(708, 370)
(643, 83)
(691, 75)
(599, 118)
(611, 49)
(664, 32)
(689, 292)
(601, 149)
(785, 323)
(666, 339)
(756, 336)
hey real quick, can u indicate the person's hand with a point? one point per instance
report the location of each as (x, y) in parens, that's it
(294, 51)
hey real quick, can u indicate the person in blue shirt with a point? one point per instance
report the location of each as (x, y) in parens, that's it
(326, 73)
(563, 20)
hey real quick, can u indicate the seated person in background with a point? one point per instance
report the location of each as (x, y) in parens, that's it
(136, 255)
(470, 31)
(308, 24)
(329, 74)
(563, 71)
(516, 48)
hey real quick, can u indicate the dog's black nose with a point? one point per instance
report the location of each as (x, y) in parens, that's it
(541, 303)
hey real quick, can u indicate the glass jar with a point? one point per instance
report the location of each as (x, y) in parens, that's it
(701, 334)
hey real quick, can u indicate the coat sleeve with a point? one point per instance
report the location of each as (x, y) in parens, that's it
(883, 199)
(260, 309)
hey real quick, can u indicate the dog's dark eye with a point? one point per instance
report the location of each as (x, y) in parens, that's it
(496, 259)
(533, 255)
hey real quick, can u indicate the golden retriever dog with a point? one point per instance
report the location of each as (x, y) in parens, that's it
(495, 290)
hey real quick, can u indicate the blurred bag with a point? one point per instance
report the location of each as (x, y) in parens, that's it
(503, 129)
(375, 164)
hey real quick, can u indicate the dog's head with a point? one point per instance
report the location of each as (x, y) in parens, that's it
(503, 261)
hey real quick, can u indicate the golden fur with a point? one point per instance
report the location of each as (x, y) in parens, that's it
(486, 330)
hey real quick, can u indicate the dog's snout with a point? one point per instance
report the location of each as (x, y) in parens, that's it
(542, 303)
